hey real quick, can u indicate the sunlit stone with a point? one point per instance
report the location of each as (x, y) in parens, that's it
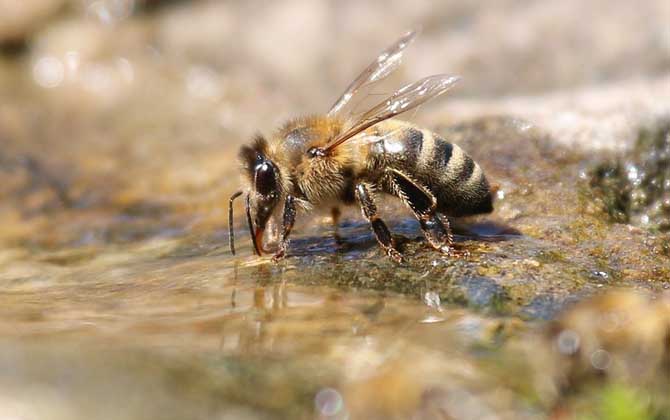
(521, 125)
(100, 11)
(111, 11)
(97, 78)
(126, 69)
(203, 83)
(72, 64)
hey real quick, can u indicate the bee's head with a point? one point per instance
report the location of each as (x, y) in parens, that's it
(266, 188)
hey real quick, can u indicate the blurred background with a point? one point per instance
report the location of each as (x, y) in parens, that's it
(125, 97)
(120, 122)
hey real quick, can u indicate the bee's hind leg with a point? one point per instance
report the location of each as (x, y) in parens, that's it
(382, 233)
(423, 204)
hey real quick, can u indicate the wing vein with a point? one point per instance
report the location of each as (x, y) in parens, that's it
(405, 99)
(387, 61)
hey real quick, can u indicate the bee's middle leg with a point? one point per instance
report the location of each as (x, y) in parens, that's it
(382, 233)
(335, 214)
(423, 204)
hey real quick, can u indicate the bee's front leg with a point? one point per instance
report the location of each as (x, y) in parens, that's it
(287, 224)
(382, 232)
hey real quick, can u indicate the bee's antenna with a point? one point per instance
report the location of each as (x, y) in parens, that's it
(251, 225)
(231, 231)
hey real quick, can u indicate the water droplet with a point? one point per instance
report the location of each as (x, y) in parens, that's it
(601, 274)
(432, 299)
(611, 321)
(432, 319)
(600, 359)
(633, 174)
(49, 72)
(568, 342)
(328, 402)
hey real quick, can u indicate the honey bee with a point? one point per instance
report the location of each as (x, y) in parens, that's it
(337, 158)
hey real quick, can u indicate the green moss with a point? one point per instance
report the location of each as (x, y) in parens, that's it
(548, 256)
(635, 188)
(619, 402)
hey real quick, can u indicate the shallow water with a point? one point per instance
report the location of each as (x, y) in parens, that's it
(160, 316)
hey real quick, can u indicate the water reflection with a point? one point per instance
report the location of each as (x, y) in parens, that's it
(336, 353)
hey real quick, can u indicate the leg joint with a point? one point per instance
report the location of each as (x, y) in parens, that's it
(416, 196)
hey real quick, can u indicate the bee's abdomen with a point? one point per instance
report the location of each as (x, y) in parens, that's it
(457, 181)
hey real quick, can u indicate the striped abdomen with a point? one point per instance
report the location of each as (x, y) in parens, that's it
(458, 182)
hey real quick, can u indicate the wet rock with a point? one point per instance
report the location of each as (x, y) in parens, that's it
(623, 335)
(543, 307)
(613, 347)
(635, 188)
(482, 291)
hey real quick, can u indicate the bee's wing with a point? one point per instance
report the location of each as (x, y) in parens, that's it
(384, 64)
(405, 99)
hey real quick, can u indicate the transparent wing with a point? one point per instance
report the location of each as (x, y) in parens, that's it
(385, 64)
(365, 138)
(405, 99)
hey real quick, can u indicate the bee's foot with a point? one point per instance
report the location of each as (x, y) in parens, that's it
(278, 256)
(453, 252)
(395, 255)
(339, 242)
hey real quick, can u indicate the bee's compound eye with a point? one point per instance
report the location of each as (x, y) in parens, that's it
(265, 178)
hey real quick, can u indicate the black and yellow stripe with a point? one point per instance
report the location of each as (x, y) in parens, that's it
(456, 180)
